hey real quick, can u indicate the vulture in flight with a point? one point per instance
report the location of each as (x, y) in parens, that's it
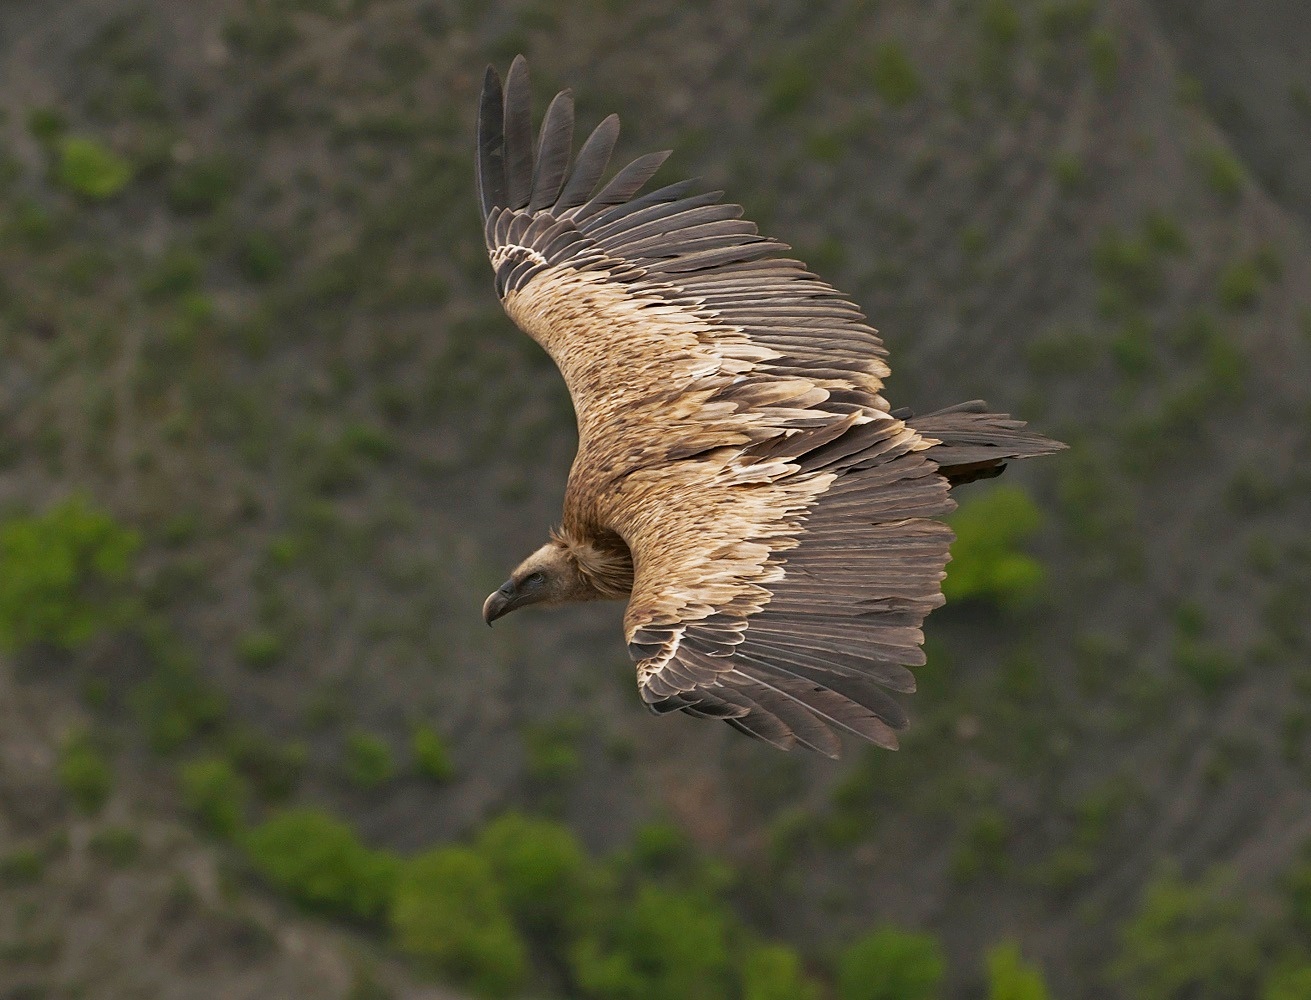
(740, 481)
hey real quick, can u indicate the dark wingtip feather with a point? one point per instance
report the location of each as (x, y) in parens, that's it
(491, 143)
(592, 160)
(553, 149)
(624, 184)
(518, 135)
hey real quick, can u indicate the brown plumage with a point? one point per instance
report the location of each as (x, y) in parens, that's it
(739, 477)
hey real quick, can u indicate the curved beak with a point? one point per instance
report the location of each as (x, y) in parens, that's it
(499, 602)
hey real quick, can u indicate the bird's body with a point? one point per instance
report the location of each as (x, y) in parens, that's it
(739, 477)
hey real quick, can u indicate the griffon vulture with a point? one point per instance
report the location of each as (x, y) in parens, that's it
(740, 480)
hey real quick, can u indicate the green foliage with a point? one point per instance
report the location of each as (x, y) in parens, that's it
(46, 125)
(1001, 23)
(552, 750)
(63, 575)
(894, 75)
(259, 649)
(215, 794)
(1068, 171)
(260, 258)
(1240, 285)
(541, 868)
(1297, 892)
(1058, 19)
(891, 964)
(666, 944)
(1130, 266)
(1132, 349)
(1288, 984)
(774, 972)
(90, 169)
(175, 272)
(1206, 665)
(1189, 940)
(789, 88)
(202, 185)
(117, 846)
(84, 772)
(272, 768)
(175, 702)
(983, 846)
(986, 564)
(1010, 977)
(1103, 57)
(447, 911)
(317, 860)
(432, 758)
(369, 761)
(22, 866)
(1223, 173)
(1062, 352)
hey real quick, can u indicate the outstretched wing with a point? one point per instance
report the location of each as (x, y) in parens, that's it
(731, 432)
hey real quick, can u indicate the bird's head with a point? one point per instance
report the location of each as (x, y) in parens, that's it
(548, 577)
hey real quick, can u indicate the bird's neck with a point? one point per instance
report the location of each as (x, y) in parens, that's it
(603, 560)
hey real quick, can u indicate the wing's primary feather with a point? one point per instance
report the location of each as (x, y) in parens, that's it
(732, 432)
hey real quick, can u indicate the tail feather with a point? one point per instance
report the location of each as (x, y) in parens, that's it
(975, 444)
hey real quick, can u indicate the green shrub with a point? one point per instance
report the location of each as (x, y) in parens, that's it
(893, 75)
(202, 185)
(983, 846)
(774, 972)
(789, 88)
(540, 867)
(1129, 265)
(1062, 352)
(660, 846)
(1240, 285)
(1069, 171)
(46, 125)
(1222, 172)
(369, 761)
(22, 866)
(175, 702)
(84, 772)
(1060, 19)
(1103, 58)
(1196, 941)
(1163, 233)
(986, 564)
(432, 758)
(215, 794)
(63, 576)
(890, 964)
(1011, 978)
(447, 910)
(259, 258)
(665, 944)
(1288, 984)
(553, 757)
(259, 649)
(318, 861)
(1206, 665)
(1297, 892)
(90, 169)
(272, 768)
(117, 846)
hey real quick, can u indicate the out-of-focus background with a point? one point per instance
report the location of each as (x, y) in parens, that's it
(266, 441)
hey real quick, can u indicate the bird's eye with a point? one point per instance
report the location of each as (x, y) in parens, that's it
(533, 579)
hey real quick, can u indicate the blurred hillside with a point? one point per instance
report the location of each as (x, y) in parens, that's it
(267, 440)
